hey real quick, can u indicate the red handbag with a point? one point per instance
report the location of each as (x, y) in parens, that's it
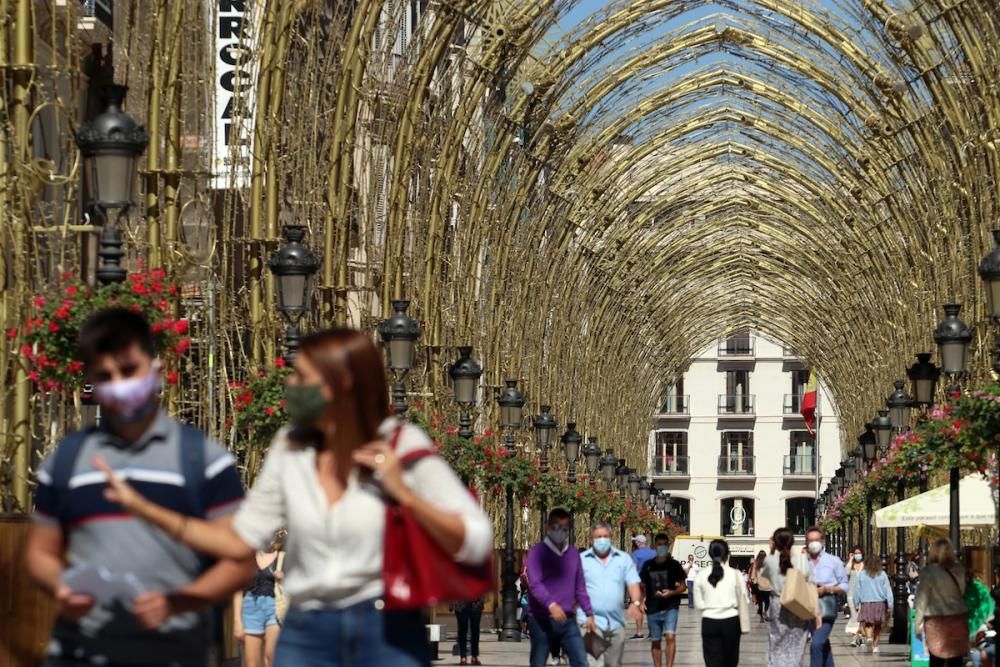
(415, 570)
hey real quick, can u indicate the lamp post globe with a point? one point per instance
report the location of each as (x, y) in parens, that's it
(644, 491)
(592, 457)
(293, 266)
(571, 440)
(882, 425)
(989, 271)
(511, 402)
(111, 145)
(900, 406)
(850, 471)
(953, 336)
(465, 373)
(923, 377)
(609, 464)
(544, 426)
(869, 443)
(621, 476)
(400, 332)
(633, 482)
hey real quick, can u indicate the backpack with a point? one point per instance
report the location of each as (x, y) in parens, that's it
(192, 455)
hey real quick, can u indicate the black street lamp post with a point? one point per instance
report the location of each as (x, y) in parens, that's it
(609, 463)
(989, 271)
(953, 337)
(400, 332)
(592, 459)
(293, 266)
(868, 443)
(465, 374)
(900, 406)
(545, 425)
(111, 145)
(571, 440)
(511, 404)
(882, 425)
(621, 476)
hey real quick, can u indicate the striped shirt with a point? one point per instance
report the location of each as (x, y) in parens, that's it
(100, 534)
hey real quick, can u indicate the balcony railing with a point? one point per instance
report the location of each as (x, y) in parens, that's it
(676, 405)
(740, 404)
(737, 465)
(800, 465)
(671, 466)
(793, 404)
(737, 347)
(102, 10)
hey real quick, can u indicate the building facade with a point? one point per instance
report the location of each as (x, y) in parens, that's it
(730, 445)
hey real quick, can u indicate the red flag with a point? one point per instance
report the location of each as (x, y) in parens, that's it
(809, 405)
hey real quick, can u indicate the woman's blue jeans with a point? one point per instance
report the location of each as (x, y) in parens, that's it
(360, 635)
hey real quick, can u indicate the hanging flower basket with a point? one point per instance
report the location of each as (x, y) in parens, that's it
(259, 407)
(49, 337)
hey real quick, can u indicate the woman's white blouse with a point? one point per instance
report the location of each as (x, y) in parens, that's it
(334, 554)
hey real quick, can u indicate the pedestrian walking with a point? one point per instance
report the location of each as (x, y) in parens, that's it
(329, 478)
(854, 569)
(255, 608)
(719, 594)
(469, 615)
(761, 586)
(556, 588)
(663, 583)
(640, 554)
(130, 597)
(607, 572)
(690, 574)
(786, 633)
(830, 578)
(872, 598)
(942, 618)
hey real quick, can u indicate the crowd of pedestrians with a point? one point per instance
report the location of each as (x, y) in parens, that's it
(141, 531)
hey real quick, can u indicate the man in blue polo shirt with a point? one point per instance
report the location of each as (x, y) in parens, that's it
(608, 572)
(128, 594)
(831, 580)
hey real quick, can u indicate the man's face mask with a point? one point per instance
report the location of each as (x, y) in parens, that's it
(131, 400)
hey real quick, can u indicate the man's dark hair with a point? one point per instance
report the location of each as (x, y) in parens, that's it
(558, 514)
(114, 330)
(661, 537)
(815, 529)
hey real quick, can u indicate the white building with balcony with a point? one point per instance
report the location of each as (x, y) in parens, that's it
(730, 445)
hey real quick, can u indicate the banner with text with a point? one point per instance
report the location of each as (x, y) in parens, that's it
(236, 61)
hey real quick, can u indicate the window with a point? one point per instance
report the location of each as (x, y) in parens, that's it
(737, 399)
(800, 513)
(737, 516)
(671, 454)
(739, 344)
(736, 455)
(793, 402)
(681, 512)
(801, 454)
(675, 401)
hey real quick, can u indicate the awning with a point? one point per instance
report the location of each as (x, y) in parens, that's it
(976, 507)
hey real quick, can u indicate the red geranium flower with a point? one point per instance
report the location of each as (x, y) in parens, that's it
(53, 327)
(180, 327)
(172, 377)
(280, 362)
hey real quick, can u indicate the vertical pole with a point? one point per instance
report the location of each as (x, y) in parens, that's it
(543, 505)
(954, 514)
(24, 57)
(511, 631)
(923, 538)
(153, 167)
(869, 538)
(901, 608)
(571, 479)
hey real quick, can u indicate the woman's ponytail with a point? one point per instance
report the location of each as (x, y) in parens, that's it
(718, 551)
(783, 540)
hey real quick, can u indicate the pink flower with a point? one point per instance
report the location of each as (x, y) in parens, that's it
(279, 362)
(53, 327)
(71, 290)
(38, 301)
(269, 411)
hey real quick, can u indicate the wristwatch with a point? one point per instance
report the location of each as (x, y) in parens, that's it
(637, 603)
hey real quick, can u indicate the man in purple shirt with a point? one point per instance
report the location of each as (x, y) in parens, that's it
(556, 587)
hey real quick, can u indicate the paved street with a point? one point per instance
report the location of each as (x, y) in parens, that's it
(753, 650)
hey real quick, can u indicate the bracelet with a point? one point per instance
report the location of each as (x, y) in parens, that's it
(179, 533)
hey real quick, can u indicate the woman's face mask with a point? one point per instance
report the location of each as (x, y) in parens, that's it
(858, 558)
(304, 404)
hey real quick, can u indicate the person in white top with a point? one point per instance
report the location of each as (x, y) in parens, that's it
(717, 593)
(328, 479)
(691, 570)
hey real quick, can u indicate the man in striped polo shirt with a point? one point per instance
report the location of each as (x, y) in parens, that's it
(148, 606)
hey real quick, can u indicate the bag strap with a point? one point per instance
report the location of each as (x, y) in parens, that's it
(192, 455)
(955, 579)
(409, 457)
(281, 562)
(64, 462)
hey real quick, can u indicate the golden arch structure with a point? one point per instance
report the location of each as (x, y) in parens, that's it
(587, 193)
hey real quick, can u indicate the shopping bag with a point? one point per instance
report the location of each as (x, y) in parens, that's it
(742, 606)
(799, 596)
(595, 644)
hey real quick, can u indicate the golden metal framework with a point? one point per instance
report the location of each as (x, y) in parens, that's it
(588, 200)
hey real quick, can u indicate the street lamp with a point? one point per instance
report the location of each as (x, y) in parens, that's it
(465, 374)
(924, 377)
(571, 440)
(882, 425)
(511, 403)
(400, 333)
(989, 271)
(111, 145)
(621, 476)
(633, 483)
(608, 466)
(644, 491)
(544, 425)
(869, 444)
(293, 266)
(952, 337)
(592, 457)
(900, 407)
